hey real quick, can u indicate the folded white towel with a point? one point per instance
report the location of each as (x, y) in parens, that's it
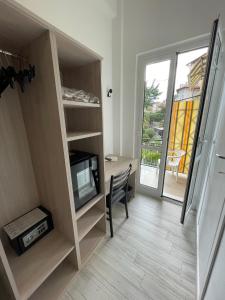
(78, 95)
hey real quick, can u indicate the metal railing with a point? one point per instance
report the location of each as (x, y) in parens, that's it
(152, 150)
(151, 154)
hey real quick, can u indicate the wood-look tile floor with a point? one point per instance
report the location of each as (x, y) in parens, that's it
(152, 256)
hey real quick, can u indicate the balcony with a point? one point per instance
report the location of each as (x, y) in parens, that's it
(172, 188)
(181, 136)
(175, 177)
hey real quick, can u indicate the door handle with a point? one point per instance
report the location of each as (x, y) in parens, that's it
(220, 156)
(221, 172)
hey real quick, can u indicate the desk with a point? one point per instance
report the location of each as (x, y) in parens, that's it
(115, 167)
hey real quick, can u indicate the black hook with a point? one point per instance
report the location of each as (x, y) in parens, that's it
(109, 93)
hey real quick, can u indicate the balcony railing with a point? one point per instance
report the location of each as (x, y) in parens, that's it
(151, 153)
(182, 129)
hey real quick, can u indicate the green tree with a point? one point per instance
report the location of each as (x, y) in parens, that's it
(151, 93)
(148, 134)
(156, 116)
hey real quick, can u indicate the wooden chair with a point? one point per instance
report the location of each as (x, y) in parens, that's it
(118, 191)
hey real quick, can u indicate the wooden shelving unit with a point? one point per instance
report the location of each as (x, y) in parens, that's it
(73, 104)
(88, 221)
(38, 130)
(88, 206)
(32, 268)
(56, 280)
(73, 136)
(84, 132)
(90, 242)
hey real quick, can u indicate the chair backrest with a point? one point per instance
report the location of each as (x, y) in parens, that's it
(180, 153)
(120, 181)
(174, 157)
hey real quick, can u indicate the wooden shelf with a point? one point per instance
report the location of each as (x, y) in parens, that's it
(73, 104)
(32, 268)
(56, 283)
(88, 221)
(40, 119)
(90, 242)
(78, 135)
(89, 205)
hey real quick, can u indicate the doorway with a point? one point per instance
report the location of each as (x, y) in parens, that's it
(171, 94)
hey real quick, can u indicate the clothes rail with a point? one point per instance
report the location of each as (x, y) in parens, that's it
(12, 54)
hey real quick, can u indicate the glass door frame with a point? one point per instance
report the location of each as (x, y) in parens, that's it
(155, 56)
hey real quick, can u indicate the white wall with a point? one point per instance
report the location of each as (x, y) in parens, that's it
(89, 22)
(145, 25)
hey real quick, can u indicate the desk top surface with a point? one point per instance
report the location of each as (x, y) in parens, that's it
(115, 167)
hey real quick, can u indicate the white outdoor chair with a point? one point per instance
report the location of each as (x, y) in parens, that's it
(173, 160)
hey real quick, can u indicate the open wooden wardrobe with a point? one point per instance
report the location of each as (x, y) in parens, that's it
(38, 127)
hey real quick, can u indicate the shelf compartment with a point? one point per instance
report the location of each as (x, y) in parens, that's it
(90, 242)
(33, 267)
(73, 104)
(88, 206)
(78, 135)
(56, 283)
(88, 221)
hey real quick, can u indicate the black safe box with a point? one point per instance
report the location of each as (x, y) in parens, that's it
(26, 230)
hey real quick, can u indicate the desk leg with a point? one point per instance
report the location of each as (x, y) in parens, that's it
(132, 183)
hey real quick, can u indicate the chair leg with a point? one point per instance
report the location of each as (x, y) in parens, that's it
(173, 170)
(125, 203)
(110, 221)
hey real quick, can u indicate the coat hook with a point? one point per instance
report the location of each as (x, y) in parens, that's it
(109, 93)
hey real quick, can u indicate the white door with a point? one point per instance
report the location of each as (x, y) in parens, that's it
(216, 286)
(210, 223)
(206, 122)
(156, 74)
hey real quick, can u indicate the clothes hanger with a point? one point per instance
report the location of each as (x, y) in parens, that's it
(8, 76)
(4, 80)
(25, 75)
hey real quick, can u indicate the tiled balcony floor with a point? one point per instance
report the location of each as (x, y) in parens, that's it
(172, 189)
